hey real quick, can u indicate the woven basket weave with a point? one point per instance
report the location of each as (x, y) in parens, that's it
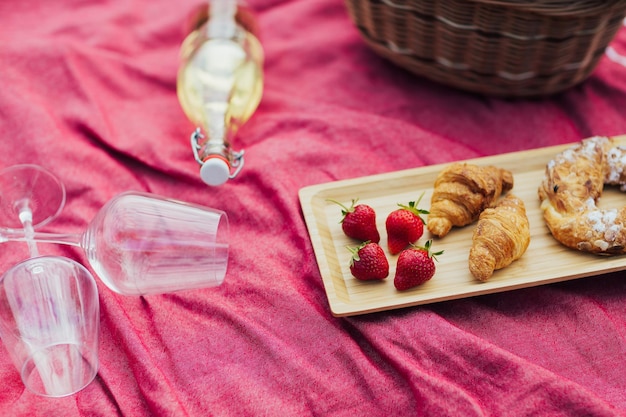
(511, 48)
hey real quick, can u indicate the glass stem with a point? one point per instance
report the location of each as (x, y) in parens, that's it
(29, 231)
(26, 217)
(72, 239)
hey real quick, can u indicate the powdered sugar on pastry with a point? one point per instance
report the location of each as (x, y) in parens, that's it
(572, 184)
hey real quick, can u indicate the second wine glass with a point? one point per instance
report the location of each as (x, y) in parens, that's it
(49, 307)
(140, 243)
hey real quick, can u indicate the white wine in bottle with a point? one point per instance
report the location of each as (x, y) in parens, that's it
(219, 86)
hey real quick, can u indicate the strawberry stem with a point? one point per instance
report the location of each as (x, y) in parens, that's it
(427, 248)
(344, 210)
(413, 208)
(355, 251)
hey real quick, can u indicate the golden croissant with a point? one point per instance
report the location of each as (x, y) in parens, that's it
(461, 192)
(502, 235)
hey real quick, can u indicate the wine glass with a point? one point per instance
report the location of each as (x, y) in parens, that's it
(49, 323)
(49, 309)
(30, 197)
(140, 243)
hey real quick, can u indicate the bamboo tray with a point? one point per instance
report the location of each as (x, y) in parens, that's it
(546, 261)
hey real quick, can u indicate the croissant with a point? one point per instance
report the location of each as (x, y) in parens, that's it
(461, 192)
(502, 235)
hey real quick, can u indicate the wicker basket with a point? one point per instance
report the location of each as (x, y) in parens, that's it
(511, 48)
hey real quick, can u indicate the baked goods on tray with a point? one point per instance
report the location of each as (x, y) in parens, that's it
(461, 192)
(573, 183)
(501, 236)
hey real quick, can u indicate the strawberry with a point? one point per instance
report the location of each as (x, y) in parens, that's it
(359, 222)
(368, 262)
(415, 266)
(404, 226)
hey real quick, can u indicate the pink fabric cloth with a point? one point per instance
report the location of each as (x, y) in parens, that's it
(88, 91)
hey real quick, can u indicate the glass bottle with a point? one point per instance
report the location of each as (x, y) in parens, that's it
(219, 85)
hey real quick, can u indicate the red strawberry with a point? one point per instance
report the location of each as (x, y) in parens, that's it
(404, 226)
(359, 222)
(368, 262)
(416, 265)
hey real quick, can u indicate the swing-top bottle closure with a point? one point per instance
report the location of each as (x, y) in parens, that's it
(221, 162)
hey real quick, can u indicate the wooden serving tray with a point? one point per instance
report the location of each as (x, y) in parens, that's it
(546, 261)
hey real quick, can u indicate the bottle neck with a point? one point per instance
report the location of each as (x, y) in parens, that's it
(217, 140)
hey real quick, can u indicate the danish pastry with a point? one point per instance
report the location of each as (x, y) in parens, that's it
(501, 236)
(461, 192)
(573, 183)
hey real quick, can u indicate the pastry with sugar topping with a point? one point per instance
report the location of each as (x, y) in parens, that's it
(569, 192)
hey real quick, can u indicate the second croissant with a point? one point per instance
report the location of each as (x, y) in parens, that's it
(502, 235)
